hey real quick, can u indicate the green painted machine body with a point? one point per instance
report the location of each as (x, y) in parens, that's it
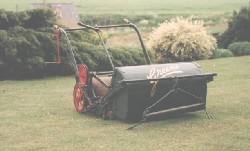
(142, 86)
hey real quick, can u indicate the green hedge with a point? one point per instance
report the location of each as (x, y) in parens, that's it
(222, 53)
(95, 56)
(27, 41)
(240, 48)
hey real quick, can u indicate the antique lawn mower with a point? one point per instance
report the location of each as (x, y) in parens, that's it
(135, 93)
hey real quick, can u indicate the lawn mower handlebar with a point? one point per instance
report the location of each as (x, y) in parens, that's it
(97, 27)
(128, 24)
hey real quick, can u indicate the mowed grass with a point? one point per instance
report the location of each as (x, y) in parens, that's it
(40, 115)
(139, 6)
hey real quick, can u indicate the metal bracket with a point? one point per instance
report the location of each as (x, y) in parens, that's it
(174, 89)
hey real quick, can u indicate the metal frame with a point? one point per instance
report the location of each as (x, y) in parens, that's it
(97, 29)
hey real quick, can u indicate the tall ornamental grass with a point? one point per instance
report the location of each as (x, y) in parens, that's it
(181, 39)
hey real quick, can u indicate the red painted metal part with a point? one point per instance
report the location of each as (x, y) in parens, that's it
(83, 74)
(78, 98)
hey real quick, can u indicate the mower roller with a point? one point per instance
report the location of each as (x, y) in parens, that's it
(135, 93)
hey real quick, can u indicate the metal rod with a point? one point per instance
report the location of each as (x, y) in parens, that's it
(179, 77)
(102, 27)
(129, 24)
(86, 27)
(72, 57)
(208, 115)
(105, 73)
(199, 98)
(106, 49)
(100, 80)
(72, 29)
(132, 127)
(174, 109)
(145, 51)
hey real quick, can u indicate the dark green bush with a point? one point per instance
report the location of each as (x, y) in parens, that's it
(96, 59)
(222, 53)
(127, 56)
(240, 48)
(238, 28)
(21, 54)
(8, 19)
(27, 41)
(40, 18)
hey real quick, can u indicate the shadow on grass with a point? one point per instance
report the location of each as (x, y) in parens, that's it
(160, 117)
(172, 118)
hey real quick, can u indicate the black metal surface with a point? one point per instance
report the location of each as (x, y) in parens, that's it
(176, 85)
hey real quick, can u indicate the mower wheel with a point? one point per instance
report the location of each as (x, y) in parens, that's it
(78, 98)
(83, 74)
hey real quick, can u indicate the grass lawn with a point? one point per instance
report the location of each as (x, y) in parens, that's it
(40, 115)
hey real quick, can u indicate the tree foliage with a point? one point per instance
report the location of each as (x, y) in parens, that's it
(181, 40)
(238, 28)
